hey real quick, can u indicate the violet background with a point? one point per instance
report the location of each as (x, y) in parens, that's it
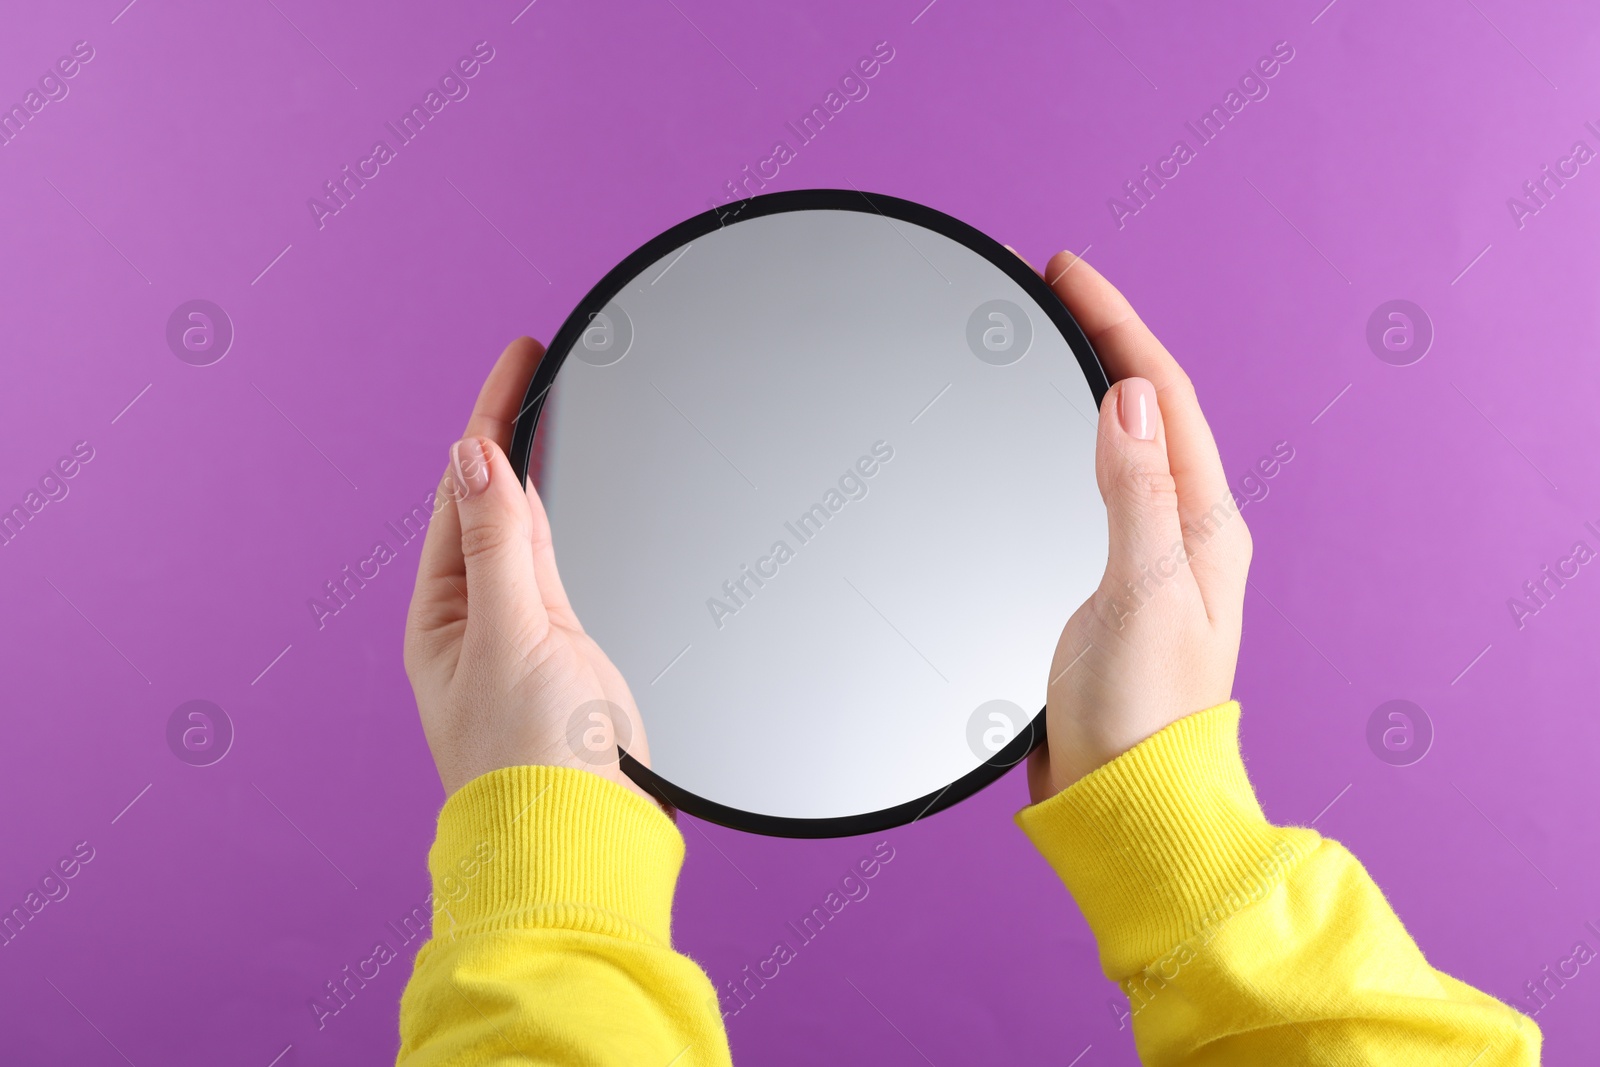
(1385, 552)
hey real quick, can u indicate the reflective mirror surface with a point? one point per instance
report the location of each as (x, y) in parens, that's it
(820, 472)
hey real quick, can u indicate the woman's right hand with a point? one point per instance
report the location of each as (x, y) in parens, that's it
(1159, 639)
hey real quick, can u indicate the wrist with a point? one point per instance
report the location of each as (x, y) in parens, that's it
(545, 847)
(455, 778)
(1164, 837)
(1081, 745)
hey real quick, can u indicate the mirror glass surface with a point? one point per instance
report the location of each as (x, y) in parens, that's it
(821, 484)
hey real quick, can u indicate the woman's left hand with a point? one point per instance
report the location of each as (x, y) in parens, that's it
(502, 671)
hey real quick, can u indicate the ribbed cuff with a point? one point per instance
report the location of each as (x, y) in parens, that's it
(553, 847)
(1164, 842)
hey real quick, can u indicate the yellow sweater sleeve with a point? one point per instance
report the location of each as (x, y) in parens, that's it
(1240, 942)
(552, 910)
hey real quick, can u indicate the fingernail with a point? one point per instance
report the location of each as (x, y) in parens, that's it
(471, 465)
(1136, 404)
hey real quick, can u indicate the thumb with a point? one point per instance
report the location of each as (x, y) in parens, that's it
(496, 544)
(1136, 481)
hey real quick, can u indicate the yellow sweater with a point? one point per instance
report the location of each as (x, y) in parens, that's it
(1236, 941)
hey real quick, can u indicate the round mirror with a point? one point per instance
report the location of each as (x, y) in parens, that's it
(819, 467)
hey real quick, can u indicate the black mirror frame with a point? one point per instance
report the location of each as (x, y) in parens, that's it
(891, 208)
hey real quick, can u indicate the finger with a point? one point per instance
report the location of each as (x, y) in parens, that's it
(1141, 497)
(1127, 348)
(544, 562)
(500, 399)
(441, 573)
(496, 527)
